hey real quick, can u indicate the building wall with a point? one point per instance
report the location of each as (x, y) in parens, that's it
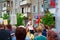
(26, 7)
(31, 9)
(38, 7)
(3, 8)
(15, 6)
(34, 9)
(57, 19)
(0, 8)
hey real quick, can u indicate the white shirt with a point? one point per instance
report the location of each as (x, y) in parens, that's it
(30, 27)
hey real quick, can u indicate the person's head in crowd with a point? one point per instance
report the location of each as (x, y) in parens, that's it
(39, 30)
(8, 27)
(52, 26)
(30, 22)
(14, 27)
(30, 19)
(46, 27)
(42, 25)
(1, 26)
(52, 35)
(20, 33)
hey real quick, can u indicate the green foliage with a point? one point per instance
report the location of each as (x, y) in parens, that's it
(20, 19)
(48, 19)
(6, 16)
(1, 16)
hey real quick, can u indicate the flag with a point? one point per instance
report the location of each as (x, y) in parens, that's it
(38, 20)
(52, 3)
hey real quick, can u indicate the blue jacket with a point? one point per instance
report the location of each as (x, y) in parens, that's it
(4, 35)
(44, 33)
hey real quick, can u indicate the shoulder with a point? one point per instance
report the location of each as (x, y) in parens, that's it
(44, 37)
(7, 32)
(40, 37)
(37, 37)
(27, 38)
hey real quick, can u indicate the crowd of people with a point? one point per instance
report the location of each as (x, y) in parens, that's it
(42, 32)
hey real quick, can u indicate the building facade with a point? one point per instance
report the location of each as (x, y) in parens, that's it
(30, 7)
(37, 9)
(25, 7)
(2, 7)
(5, 6)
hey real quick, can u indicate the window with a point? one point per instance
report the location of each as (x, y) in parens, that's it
(8, 12)
(8, 3)
(22, 10)
(42, 5)
(15, 10)
(33, 8)
(4, 5)
(16, 2)
(28, 9)
(22, 0)
(12, 4)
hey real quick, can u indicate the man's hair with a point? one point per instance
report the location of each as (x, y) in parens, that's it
(1, 25)
(9, 26)
(46, 27)
(52, 26)
(20, 33)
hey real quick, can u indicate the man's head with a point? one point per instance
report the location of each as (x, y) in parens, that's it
(1, 26)
(9, 27)
(52, 26)
(20, 33)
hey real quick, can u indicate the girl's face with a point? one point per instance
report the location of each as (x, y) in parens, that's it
(30, 23)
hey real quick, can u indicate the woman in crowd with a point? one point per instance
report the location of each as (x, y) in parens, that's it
(51, 34)
(29, 36)
(30, 27)
(20, 33)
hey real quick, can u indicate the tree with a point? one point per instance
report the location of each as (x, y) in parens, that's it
(20, 19)
(48, 19)
(5, 16)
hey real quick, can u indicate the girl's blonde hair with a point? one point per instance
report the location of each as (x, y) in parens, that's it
(39, 29)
